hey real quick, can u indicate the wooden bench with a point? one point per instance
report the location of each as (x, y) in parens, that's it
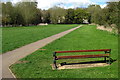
(106, 55)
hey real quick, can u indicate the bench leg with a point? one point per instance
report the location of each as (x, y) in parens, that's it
(109, 61)
(105, 59)
(55, 64)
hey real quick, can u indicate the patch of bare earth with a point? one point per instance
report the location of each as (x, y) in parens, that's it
(103, 28)
(76, 66)
(112, 28)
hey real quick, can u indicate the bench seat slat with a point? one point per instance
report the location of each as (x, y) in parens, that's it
(82, 56)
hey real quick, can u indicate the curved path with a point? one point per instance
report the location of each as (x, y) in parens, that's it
(11, 57)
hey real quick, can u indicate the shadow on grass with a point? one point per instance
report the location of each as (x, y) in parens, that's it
(90, 62)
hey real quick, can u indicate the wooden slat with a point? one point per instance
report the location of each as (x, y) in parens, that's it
(83, 51)
(82, 56)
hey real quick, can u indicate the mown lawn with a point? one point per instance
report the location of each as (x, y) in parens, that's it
(86, 37)
(15, 37)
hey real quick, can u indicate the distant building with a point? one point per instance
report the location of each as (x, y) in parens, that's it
(60, 20)
(85, 21)
(43, 24)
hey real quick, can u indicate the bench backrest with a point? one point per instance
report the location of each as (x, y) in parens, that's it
(98, 50)
(105, 50)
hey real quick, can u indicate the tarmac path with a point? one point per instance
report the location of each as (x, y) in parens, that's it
(11, 57)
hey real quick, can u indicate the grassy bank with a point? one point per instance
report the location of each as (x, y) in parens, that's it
(15, 37)
(87, 37)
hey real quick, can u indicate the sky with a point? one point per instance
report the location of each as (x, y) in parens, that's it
(46, 4)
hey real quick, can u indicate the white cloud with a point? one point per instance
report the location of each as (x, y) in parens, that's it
(113, 0)
(104, 5)
(15, 1)
(45, 4)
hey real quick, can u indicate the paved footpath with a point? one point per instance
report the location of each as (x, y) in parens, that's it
(11, 57)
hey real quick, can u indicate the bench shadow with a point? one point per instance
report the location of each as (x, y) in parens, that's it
(89, 62)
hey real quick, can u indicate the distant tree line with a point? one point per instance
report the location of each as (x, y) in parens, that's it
(27, 13)
(105, 16)
(22, 13)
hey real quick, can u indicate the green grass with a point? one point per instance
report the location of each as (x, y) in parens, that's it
(86, 37)
(15, 37)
